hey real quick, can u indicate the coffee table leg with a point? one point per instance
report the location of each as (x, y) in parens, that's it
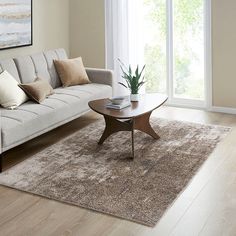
(139, 123)
(113, 126)
(142, 123)
(107, 132)
(132, 140)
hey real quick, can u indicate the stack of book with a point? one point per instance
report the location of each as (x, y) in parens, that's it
(118, 103)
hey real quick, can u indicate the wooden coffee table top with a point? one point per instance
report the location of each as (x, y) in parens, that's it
(146, 103)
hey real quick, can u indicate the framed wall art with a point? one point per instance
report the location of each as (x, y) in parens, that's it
(15, 23)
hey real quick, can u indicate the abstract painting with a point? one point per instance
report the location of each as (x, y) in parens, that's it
(15, 23)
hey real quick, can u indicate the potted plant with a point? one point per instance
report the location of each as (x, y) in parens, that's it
(134, 80)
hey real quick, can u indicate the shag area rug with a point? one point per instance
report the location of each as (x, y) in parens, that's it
(103, 178)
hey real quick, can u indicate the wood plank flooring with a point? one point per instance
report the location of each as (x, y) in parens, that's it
(207, 207)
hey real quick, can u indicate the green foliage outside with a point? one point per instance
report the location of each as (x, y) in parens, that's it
(188, 47)
(155, 49)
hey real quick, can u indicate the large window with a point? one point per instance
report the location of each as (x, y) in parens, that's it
(172, 37)
(174, 48)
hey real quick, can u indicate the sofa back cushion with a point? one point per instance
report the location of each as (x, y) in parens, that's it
(40, 65)
(9, 66)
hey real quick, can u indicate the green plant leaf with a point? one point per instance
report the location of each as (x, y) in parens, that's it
(130, 70)
(123, 71)
(142, 69)
(136, 72)
(122, 64)
(123, 84)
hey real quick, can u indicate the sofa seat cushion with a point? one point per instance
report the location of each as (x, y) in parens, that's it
(30, 118)
(90, 91)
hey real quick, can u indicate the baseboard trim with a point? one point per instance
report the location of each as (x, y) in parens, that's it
(227, 110)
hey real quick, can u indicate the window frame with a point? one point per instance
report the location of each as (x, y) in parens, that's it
(185, 102)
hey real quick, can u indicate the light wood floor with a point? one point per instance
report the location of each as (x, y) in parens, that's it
(206, 207)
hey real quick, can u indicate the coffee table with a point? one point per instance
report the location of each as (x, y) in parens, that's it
(135, 117)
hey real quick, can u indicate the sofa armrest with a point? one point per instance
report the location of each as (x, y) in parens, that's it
(101, 76)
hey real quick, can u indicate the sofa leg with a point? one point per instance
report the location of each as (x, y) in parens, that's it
(1, 157)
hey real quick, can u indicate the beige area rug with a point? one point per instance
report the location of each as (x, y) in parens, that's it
(78, 171)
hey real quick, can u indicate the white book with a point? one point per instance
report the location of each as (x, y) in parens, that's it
(118, 107)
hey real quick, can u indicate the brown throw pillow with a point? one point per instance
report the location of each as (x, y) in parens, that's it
(71, 72)
(37, 90)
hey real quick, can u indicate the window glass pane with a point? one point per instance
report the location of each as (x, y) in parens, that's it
(155, 45)
(188, 45)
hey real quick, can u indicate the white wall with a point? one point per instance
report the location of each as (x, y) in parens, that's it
(224, 52)
(87, 38)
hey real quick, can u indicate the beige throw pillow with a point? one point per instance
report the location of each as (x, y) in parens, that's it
(38, 90)
(11, 96)
(71, 72)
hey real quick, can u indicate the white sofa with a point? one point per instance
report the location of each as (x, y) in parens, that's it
(30, 119)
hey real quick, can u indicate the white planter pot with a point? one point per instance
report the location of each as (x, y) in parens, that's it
(134, 97)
